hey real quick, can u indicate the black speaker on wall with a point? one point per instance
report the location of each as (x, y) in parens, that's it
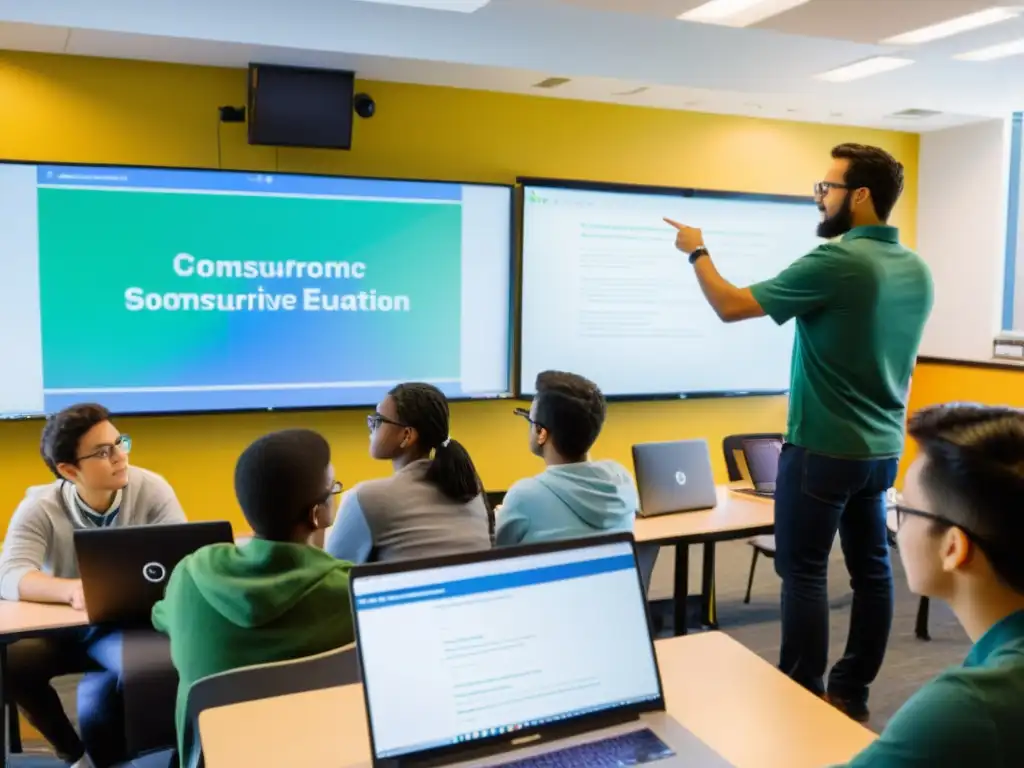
(300, 106)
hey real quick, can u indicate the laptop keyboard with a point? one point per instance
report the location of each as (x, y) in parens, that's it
(635, 748)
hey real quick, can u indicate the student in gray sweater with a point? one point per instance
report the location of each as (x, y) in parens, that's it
(433, 503)
(95, 488)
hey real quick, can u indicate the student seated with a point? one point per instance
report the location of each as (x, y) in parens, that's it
(95, 488)
(433, 503)
(960, 536)
(574, 496)
(275, 597)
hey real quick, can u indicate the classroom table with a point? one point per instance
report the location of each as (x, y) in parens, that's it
(739, 704)
(21, 620)
(736, 516)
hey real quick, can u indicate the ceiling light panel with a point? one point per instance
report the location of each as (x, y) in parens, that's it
(956, 26)
(864, 68)
(993, 52)
(738, 13)
(459, 6)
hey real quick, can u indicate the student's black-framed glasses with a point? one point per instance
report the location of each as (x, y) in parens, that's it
(107, 452)
(374, 420)
(524, 413)
(903, 512)
(335, 490)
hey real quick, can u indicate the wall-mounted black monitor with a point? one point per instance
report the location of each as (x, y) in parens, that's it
(300, 106)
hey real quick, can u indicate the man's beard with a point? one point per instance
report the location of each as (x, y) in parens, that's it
(838, 223)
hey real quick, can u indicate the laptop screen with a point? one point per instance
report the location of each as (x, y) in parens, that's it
(464, 652)
(762, 460)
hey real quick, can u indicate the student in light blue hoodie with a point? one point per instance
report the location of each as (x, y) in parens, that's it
(574, 496)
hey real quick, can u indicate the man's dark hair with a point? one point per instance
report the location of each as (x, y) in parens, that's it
(425, 408)
(572, 410)
(63, 432)
(876, 170)
(279, 478)
(975, 477)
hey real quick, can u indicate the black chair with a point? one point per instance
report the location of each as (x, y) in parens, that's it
(762, 545)
(263, 681)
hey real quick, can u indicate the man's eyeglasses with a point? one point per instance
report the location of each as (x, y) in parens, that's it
(107, 452)
(526, 415)
(336, 489)
(822, 188)
(374, 420)
(903, 512)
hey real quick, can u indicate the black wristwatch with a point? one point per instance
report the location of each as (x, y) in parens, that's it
(701, 250)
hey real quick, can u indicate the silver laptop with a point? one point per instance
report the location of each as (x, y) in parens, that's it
(674, 477)
(526, 656)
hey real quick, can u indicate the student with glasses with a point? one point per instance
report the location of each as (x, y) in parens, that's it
(274, 598)
(961, 533)
(860, 302)
(433, 503)
(94, 488)
(573, 496)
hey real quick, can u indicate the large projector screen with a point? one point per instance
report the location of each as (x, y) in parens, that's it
(154, 290)
(605, 293)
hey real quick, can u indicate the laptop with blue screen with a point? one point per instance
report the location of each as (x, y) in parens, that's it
(527, 656)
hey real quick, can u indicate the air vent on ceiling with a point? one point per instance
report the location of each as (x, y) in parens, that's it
(633, 92)
(551, 82)
(914, 114)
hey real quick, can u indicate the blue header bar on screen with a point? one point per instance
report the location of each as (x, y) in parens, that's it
(244, 182)
(496, 582)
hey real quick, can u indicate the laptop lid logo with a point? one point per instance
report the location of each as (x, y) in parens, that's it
(681, 478)
(154, 572)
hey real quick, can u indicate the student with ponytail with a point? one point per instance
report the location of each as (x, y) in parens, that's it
(432, 505)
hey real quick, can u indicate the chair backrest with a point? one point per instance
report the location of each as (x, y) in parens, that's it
(325, 670)
(734, 443)
(495, 498)
(646, 557)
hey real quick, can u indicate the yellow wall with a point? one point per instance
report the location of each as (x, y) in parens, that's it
(936, 383)
(103, 111)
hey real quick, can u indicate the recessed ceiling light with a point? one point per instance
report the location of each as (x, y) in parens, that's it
(738, 13)
(876, 65)
(956, 26)
(461, 6)
(1000, 51)
(551, 82)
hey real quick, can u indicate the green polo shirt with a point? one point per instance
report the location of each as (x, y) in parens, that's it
(968, 716)
(860, 306)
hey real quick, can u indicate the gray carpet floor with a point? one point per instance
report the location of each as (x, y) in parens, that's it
(909, 662)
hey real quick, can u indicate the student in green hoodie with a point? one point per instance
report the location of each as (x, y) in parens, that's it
(275, 598)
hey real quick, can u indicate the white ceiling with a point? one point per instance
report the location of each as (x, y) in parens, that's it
(607, 47)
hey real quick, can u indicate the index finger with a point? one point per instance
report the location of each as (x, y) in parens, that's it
(673, 223)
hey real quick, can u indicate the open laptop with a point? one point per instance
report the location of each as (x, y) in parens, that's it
(674, 477)
(124, 570)
(761, 456)
(528, 656)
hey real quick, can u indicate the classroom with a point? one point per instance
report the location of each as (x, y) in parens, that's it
(496, 213)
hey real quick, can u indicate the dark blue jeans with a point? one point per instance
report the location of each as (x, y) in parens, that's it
(33, 663)
(816, 496)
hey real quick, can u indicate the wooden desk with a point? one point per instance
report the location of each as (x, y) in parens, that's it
(740, 705)
(736, 516)
(19, 620)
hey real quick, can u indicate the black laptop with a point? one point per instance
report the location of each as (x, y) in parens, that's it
(761, 456)
(124, 570)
